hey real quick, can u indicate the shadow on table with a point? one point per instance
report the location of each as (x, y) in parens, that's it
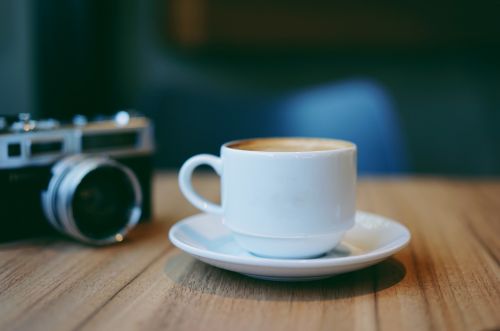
(200, 277)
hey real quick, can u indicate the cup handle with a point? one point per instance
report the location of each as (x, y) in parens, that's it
(186, 185)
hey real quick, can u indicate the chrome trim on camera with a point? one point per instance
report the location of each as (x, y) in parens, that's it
(71, 137)
(67, 176)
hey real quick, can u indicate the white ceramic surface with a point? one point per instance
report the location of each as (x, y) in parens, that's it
(282, 204)
(372, 239)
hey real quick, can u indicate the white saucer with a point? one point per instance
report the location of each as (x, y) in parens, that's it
(372, 239)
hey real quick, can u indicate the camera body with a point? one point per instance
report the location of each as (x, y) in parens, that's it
(90, 180)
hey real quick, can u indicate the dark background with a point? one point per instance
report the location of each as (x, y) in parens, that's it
(206, 71)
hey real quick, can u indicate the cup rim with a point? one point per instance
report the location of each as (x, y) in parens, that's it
(350, 146)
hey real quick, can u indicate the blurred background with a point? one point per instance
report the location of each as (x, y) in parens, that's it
(415, 85)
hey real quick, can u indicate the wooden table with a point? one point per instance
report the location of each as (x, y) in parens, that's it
(447, 278)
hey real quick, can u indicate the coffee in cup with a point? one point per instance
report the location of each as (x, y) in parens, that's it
(282, 197)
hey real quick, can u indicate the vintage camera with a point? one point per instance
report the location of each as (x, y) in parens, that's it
(89, 180)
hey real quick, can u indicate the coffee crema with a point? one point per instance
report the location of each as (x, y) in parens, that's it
(290, 145)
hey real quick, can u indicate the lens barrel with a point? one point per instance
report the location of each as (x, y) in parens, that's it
(93, 199)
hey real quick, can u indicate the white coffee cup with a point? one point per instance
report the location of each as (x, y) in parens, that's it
(282, 197)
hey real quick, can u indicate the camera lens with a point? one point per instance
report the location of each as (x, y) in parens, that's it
(93, 199)
(102, 202)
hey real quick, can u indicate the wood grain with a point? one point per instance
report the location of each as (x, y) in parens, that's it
(447, 279)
